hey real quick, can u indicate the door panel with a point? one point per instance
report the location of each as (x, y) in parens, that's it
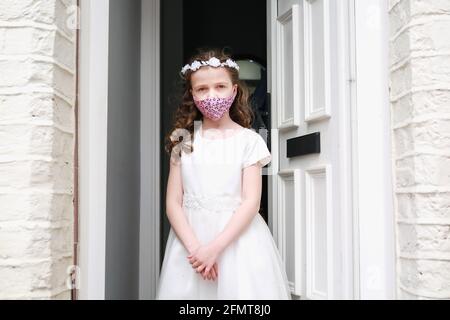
(308, 190)
(319, 233)
(289, 67)
(318, 21)
(290, 228)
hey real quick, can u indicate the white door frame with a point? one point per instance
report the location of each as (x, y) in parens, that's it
(370, 225)
(372, 152)
(149, 252)
(93, 130)
(93, 133)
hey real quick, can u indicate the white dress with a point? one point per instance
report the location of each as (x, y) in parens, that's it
(250, 267)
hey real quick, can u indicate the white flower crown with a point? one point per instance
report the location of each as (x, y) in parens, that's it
(213, 62)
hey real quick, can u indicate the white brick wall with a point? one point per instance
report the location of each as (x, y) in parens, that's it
(420, 100)
(37, 92)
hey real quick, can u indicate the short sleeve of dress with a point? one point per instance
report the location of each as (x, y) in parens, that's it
(256, 152)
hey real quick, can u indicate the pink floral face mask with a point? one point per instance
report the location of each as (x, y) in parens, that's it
(214, 108)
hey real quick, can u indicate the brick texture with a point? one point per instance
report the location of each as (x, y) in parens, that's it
(420, 101)
(37, 132)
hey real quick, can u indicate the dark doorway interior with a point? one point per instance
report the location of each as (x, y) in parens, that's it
(188, 25)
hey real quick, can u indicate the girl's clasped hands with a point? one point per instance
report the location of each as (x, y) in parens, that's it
(204, 260)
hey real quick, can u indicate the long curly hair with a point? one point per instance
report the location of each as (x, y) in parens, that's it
(185, 115)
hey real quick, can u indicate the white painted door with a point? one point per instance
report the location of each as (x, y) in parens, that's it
(311, 195)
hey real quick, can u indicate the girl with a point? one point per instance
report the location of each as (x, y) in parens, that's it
(219, 246)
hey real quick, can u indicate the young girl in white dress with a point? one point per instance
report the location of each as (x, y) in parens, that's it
(219, 246)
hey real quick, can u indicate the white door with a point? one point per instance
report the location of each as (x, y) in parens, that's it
(311, 195)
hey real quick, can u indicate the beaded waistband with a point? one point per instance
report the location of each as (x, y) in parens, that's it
(213, 203)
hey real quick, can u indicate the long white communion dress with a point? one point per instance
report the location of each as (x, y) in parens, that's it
(251, 266)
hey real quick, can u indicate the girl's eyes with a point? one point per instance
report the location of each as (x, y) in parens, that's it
(220, 86)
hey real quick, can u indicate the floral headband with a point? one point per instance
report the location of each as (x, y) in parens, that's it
(213, 62)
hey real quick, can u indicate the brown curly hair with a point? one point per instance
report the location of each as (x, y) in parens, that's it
(187, 112)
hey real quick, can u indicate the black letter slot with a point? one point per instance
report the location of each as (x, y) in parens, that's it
(307, 144)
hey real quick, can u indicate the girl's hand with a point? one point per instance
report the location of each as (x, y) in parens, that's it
(203, 259)
(213, 274)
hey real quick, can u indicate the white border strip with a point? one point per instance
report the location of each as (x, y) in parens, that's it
(93, 110)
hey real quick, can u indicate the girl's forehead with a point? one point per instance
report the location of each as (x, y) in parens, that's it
(209, 75)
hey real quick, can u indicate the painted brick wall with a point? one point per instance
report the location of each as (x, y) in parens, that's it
(420, 100)
(37, 93)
